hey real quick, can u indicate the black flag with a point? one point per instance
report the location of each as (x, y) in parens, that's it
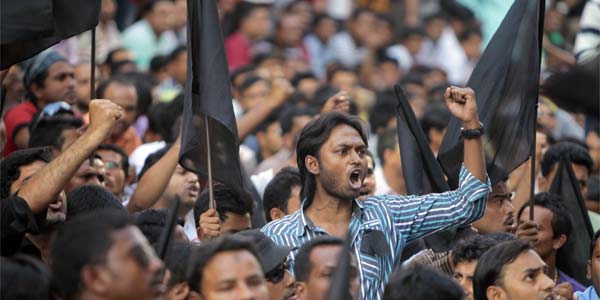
(29, 27)
(505, 81)
(572, 257)
(208, 108)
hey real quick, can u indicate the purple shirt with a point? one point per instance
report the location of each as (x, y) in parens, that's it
(577, 287)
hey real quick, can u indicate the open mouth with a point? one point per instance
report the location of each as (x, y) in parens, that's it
(355, 179)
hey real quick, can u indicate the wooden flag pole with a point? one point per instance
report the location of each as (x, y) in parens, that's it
(93, 68)
(541, 14)
(211, 196)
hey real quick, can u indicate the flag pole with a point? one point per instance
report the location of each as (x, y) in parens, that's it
(541, 14)
(211, 196)
(93, 68)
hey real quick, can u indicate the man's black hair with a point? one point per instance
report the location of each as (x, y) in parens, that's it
(279, 190)
(312, 138)
(158, 63)
(110, 57)
(151, 223)
(490, 265)
(267, 122)
(421, 283)
(227, 202)
(436, 116)
(335, 68)
(48, 131)
(149, 6)
(286, 119)
(24, 278)
(302, 264)
(471, 248)
(410, 31)
(176, 261)
(207, 251)
(318, 18)
(82, 242)
(124, 158)
(90, 198)
(239, 72)
(501, 236)
(143, 84)
(575, 153)
(10, 167)
(248, 82)
(260, 58)
(468, 32)
(177, 52)
(561, 219)
(383, 111)
(119, 79)
(152, 159)
(593, 244)
(414, 76)
(162, 117)
(301, 76)
(388, 140)
(360, 11)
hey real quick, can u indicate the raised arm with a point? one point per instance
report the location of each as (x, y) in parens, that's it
(41, 189)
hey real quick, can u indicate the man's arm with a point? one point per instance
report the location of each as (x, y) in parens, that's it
(41, 189)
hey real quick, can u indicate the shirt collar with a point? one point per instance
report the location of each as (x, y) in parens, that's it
(306, 224)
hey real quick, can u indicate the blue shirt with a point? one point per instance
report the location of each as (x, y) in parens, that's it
(589, 294)
(382, 225)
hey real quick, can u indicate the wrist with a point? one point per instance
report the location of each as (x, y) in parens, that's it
(472, 124)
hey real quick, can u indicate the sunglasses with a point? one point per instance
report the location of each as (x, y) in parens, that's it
(276, 275)
(52, 110)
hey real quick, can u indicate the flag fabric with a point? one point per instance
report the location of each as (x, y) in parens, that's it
(29, 27)
(339, 288)
(505, 81)
(207, 105)
(572, 257)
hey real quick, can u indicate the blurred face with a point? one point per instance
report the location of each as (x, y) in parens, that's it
(178, 68)
(290, 31)
(463, 275)
(180, 14)
(524, 279)
(233, 275)
(390, 73)
(115, 175)
(499, 211)
(363, 26)
(472, 46)
(254, 95)
(57, 210)
(323, 261)
(13, 82)
(546, 118)
(308, 87)
(257, 24)
(109, 8)
(82, 79)
(345, 81)
(94, 173)
(58, 86)
(126, 97)
(546, 244)
(326, 29)
(132, 268)
(270, 140)
(593, 268)
(184, 184)
(368, 186)
(413, 43)
(235, 223)
(162, 17)
(434, 28)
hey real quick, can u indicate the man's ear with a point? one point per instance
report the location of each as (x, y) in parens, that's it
(94, 280)
(301, 290)
(495, 293)
(179, 291)
(36, 90)
(193, 295)
(276, 213)
(558, 242)
(312, 164)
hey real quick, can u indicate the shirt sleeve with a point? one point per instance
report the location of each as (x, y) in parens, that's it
(17, 220)
(416, 216)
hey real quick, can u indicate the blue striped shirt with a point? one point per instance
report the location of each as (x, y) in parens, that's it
(400, 219)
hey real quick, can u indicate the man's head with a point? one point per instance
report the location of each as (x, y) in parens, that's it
(314, 266)
(121, 91)
(268, 135)
(434, 123)
(48, 77)
(235, 212)
(470, 41)
(253, 91)
(18, 167)
(227, 268)
(465, 255)
(56, 132)
(116, 60)
(331, 155)
(499, 211)
(511, 271)
(82, 73)
(282, 194)
(91, 171)
(152, 223)
(388, 150)
(255, 20)
(342, 78)
(292, 121)
(177, 66)
(580, 159)
(115, 262)
(362, 24)
(274, 260)
(288, 30)
(91, 198)
(554, 222)
(176, 264)
(421, 283)
(159, 14)
(593, 266)
(116, 164)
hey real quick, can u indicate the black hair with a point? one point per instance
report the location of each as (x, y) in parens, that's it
(48, 131)
(239, 72)
(468, 32)
(388, 140)
(149, 6)
(81, 242)
(420, 282)
(360, 11)
(24, 278)
(593, 244)
(152, 159)
(335, 68)
(279, 190)
(436, 116)
(260, 58)
(471, 248)
(573, 152)
(143, 84)
(119, 79)
(312, 138)
(286, 119)
(177, 52)
(151, 223)
(110, 57)
(250, 81)
(10, 167)
(228, 202)
(593, 184)
(501, 236)
(158, 63)
(410, 31)
(207, 251)
(162, 117)
(124, 158)
(301, 76)
(267, 122)
(302, 264)
(176, 261)
(383, 110)
(90, 198)
(490, 265)
(561, 219)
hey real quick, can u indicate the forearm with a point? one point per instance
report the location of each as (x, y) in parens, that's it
(473, 154)
(155, 181)
(250, 120)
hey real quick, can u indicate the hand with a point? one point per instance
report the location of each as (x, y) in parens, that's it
(340, 101)
(103, 115)
(564, 291)
(210, 225)
(281, 89)
(528, 231)
(462, 104)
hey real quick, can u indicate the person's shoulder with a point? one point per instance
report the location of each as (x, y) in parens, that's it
(283, 226)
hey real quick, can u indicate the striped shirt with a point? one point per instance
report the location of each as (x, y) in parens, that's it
(382, 225)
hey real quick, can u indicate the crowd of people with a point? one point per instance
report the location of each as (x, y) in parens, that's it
(86, 185)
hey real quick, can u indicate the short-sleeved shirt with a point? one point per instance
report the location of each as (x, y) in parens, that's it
(15, 119)
(382, 225)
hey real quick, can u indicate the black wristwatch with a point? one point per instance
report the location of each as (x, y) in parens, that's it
(472, 133)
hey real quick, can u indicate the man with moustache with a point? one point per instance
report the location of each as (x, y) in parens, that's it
(331, 154)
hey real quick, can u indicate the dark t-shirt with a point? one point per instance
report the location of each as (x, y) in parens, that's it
(17, 219)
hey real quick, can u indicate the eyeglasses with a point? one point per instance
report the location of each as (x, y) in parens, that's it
(52, 110)
(276, 275)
